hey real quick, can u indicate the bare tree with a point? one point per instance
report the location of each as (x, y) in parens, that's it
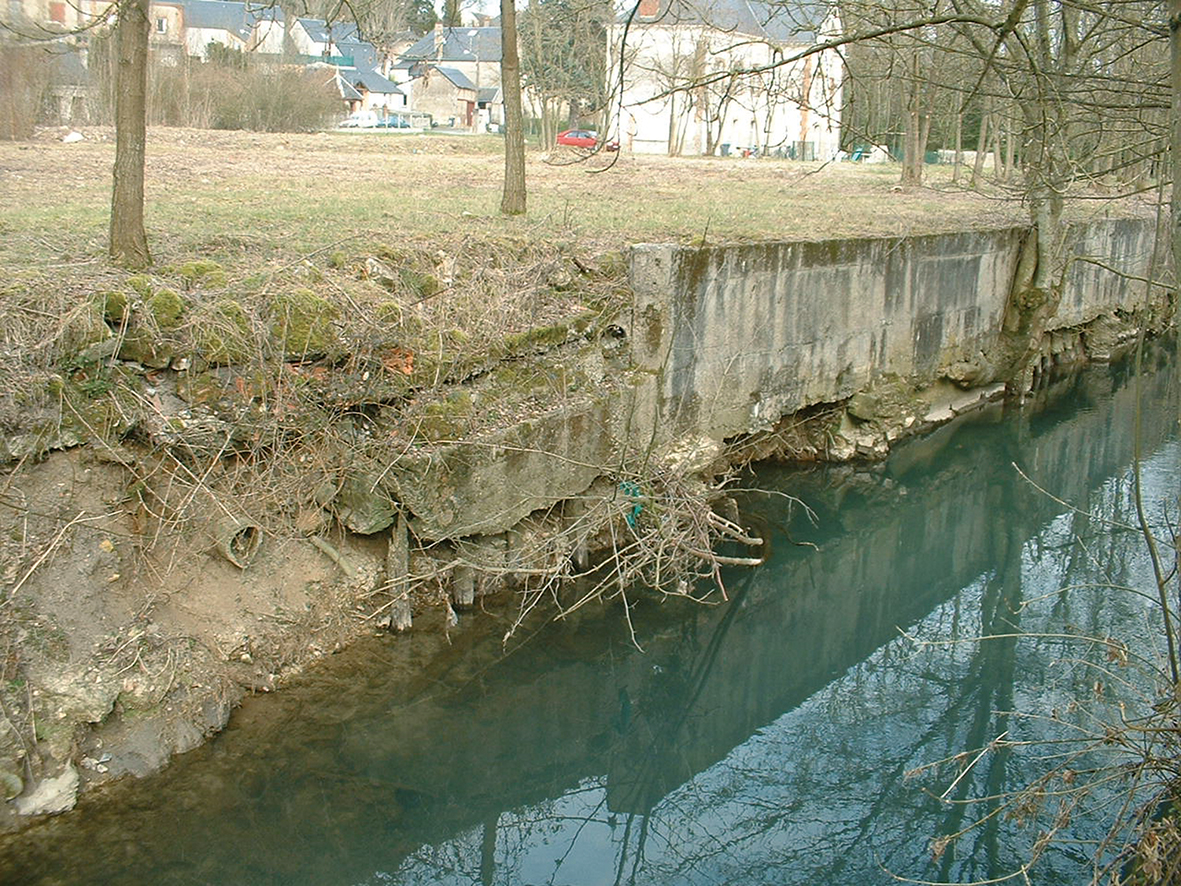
(563, 60)
(128, 241)
(513, 201)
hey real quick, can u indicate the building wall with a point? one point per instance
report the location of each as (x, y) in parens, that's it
(267, 37)
(791, 110)
(197, 41)
(434, 94)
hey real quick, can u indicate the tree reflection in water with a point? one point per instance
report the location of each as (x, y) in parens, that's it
(769, 740)
(821, 793)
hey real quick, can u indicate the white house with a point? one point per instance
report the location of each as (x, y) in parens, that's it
(722, 76)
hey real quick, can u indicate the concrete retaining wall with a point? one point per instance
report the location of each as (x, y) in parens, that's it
(726, 341)
(742, 335)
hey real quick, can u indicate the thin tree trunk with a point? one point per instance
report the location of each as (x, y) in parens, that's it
(958, 160)
(912, 163)
(128, 243)
(1175, 126)
(981, 147)
(513, 201)
(998, 146)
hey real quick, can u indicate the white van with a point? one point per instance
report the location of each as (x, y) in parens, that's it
(360, 120)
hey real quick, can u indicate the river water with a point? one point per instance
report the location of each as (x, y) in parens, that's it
(789, 736)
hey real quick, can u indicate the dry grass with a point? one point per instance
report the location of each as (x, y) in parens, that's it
(230, 193)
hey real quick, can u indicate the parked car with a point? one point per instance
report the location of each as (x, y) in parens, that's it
(360, 120)
(584, 138)
(395, 123)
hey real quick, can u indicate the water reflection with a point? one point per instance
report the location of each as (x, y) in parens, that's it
(763, 741)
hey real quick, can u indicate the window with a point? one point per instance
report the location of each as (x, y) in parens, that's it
(161, 25)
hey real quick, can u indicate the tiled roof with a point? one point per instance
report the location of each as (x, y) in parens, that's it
(322, 32)
(793, 21)
(457, 77)
(371, 80)
(458, 45)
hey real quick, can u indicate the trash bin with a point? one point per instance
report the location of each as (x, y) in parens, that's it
(725, 146)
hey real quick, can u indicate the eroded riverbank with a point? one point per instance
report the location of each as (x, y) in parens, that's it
(263, 482)
(768, 734)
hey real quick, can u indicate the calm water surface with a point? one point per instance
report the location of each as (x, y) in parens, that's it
(771, 740)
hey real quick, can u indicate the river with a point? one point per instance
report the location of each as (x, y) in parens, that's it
(789, 736)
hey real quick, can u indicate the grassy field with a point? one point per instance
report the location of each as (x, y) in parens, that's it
(391, 239)
(245, 196)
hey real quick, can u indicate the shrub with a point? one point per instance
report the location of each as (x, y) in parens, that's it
(250, 95)
(24, 82)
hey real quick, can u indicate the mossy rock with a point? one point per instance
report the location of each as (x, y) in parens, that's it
(613, 265)
(141, 346)
(447, 419)
(82, 328)
(167, 308)
(421, 284)
(255, 282)
(537, 337)
(393, 253)
(391, 313)
(364, 506)
(196, 388)
(115, 306)
(337, 260)
(141, 284)
(203, 272)
(303, 324)
(222, 333)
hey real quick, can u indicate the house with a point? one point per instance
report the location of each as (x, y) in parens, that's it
(376, 92)
(490, 108)
(314, 39)
(241, 26)
(718, 76)
(473, 52)
(446, 94)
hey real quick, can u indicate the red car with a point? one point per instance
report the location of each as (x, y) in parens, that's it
(583, 138)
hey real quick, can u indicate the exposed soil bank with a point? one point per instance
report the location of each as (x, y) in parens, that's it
(214, 491)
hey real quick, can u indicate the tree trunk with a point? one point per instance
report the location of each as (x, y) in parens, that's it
(128, 242)
(1175, 127)
(513, 201)
(915, 142)
(981, 146)
(958, 160)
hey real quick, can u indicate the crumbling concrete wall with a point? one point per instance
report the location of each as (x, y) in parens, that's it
(739, 336)
(726, 341)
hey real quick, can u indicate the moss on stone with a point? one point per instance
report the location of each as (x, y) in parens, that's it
(139, 345)
(222, 334)
(303, 323)
(538, 336)
(392, 253)
(337, 260)
(613, 265)
(420, 283)
(141, 284)
(115, 306)
(203, 272)
(167, 308)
